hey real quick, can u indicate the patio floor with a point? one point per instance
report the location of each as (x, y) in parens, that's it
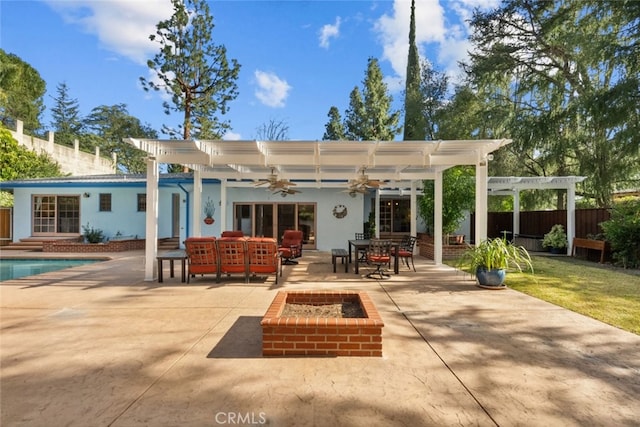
(97, 346)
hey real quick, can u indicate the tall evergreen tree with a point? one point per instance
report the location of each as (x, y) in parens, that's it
(193, 70)
(21, 93)
(110, 125)
(355, 116)
(65, 114)
(414, 120)
(334, 129)
(369, 116)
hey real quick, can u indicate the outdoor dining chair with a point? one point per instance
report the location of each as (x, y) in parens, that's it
(362, 253)
(405, 250)
(379, 254)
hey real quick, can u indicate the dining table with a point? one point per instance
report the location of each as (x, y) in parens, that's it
(359, 244)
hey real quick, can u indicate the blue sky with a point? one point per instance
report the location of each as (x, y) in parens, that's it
(298, 58)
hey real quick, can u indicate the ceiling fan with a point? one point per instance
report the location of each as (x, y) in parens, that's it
(362, 183)
(275, 184)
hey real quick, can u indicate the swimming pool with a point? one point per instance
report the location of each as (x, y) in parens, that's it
(16, 268)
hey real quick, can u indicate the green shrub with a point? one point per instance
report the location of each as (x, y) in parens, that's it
(622, 231)
(92, 235)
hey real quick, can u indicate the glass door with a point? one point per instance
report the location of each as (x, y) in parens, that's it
(56, 215)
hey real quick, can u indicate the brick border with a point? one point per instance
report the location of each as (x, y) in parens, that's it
(296, 336)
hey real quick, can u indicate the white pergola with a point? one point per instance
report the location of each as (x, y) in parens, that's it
(512, 186)
(317, 164)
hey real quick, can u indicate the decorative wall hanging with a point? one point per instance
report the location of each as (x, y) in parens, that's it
(339, 211)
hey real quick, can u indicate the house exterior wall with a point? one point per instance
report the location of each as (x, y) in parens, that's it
(331, 232)
(123, 217)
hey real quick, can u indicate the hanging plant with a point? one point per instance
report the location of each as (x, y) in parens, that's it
(209, 211)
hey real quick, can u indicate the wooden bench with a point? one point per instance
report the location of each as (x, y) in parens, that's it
(599, 245)
(340, 253)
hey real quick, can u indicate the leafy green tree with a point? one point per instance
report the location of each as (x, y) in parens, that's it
(17, 162)
(334, 129)
(193, 70)
(458, 193)
(110, 124)
(414, 120)
(369, 116)
(563, 75)
(433, 94)
(21, 93)
(65, 113)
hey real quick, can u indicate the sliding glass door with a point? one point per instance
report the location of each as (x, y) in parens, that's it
(271, 219)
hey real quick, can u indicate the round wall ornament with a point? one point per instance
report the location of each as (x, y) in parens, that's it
(339, 211)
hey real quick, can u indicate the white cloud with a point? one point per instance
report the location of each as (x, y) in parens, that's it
(231, 136)
(328, 32)
(445, 34)
(272, 91)
(122, 26)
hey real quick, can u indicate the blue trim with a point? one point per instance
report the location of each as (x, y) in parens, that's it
(92, 184)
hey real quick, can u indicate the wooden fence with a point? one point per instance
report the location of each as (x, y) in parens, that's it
(538, 223)
(6, 226)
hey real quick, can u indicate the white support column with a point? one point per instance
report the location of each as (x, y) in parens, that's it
(377, 210)
(223, 206)
(571, 216)
(414, 214)
(437, 219)
(151, 236)
(481, 201)
(516, 212)
(197, 204)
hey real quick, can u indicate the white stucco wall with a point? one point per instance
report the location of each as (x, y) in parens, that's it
(331, 233)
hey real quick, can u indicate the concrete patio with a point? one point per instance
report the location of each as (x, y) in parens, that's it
(97, 346)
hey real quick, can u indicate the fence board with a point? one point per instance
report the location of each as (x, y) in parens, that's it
(538, 223)
(6, 217)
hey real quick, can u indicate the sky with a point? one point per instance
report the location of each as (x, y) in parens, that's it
(298, 58)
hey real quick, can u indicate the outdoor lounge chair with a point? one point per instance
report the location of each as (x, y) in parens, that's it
(290, 246)
(379, 254)
(262, 253)
(202, 256)
(232, 254)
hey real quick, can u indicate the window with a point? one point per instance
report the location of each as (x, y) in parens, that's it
(142, 202)
(105, 202)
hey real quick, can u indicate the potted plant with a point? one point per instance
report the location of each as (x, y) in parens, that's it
(556, 240)
(209, 211)
(490, 260)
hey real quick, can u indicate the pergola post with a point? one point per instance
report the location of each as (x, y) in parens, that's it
(151, 218)
(197, 203)
(481, 201)
(516, 213)
(437, 218)
(377, 211)
(223, 207)
(414, 213)
(571, 215)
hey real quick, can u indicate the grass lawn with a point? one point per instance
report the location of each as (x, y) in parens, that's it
(605, 293)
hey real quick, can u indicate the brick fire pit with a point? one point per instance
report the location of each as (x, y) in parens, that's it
(315, 336)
